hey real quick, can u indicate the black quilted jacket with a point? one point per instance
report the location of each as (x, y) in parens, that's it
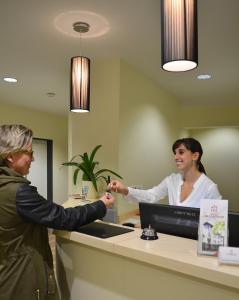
(26, 267)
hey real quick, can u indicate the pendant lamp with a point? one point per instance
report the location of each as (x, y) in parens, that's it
(80, 77)
(179, 35)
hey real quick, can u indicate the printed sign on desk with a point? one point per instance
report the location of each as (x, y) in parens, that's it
(213, 226)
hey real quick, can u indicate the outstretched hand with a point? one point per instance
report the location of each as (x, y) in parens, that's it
(108, 200)
(118, 187)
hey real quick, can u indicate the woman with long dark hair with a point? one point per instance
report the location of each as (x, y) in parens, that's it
(185, 188)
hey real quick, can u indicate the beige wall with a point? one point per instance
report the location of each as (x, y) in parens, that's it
(134, 120)
(221, 159)
(101, 125)
(47, 126)
(217, 128)
(149, 124)
(210, 116)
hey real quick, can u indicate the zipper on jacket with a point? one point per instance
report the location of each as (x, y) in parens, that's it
(50, 280)
(38, 294)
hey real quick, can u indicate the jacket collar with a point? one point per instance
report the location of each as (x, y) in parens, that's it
(7, 174)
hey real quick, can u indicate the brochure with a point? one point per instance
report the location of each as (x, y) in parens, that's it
(213, 226)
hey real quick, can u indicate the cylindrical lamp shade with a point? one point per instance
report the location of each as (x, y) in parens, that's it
(179, 35)
(80, 84)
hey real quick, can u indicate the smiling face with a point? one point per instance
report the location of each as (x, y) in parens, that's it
(185, 159)
(21, 161)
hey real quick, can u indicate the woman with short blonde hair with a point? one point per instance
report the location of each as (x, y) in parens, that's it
(26, 265)
(14, 138)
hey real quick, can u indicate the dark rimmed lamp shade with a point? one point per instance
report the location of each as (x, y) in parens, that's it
(80, 84)
(179, 35)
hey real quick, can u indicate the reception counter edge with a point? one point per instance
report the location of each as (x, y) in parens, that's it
(169, 252)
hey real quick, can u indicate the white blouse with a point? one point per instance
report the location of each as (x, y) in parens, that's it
(203, 188)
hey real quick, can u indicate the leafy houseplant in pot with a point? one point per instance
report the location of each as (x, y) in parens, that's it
(91, 174)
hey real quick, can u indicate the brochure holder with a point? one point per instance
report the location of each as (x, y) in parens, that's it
(213, 226)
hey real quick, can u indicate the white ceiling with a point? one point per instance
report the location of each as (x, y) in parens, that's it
(38, 55)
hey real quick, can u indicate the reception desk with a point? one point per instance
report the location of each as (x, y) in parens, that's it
(127, 267)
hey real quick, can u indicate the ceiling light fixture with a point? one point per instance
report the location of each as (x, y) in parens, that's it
(204, 77)
(10, 79)
(80, 77)
(179, 36)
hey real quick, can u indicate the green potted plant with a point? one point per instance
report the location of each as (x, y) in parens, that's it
(91, 174)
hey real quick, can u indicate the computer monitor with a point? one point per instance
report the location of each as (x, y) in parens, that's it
(233, 229)
(169, 219)
(182, 221)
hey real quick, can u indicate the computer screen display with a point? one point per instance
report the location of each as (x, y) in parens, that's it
(181, 221)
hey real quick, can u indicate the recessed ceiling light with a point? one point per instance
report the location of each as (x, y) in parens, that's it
(10, 79)
(204, 77)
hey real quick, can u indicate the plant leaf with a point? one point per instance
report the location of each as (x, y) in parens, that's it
(85, 177)
(86, 163)
(87, 166)
(94, 152)
(74, 157)
(105, 178)
(71, 164)
(93, 179)
(94, 163)
(85, 171)
(107, 170)
(75, 176)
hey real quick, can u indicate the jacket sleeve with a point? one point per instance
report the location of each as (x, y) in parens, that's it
(35, 208)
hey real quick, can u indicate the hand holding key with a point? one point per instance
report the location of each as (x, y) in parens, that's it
(108, 200)
(118, 187)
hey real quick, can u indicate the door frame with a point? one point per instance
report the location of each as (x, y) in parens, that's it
(49, 144)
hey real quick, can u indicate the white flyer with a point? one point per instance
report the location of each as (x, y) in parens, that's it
(213, 226)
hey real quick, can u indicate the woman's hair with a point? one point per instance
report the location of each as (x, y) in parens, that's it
(14, 138)
(194, 146)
